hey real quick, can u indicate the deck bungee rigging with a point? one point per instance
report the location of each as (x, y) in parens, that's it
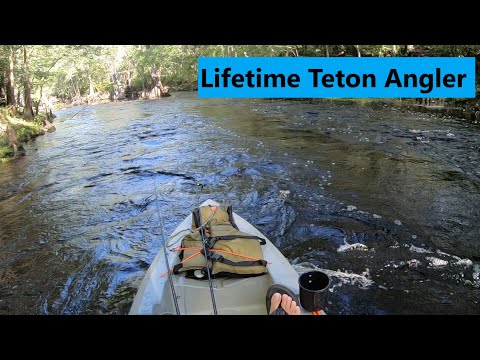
(239, 283)
(216, 243)
(213, 247)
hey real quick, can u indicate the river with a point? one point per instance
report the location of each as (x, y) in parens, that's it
(384, 200)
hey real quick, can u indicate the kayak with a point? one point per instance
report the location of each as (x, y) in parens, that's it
(232, 296)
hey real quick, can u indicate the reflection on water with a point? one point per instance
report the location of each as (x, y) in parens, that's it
(384, 200)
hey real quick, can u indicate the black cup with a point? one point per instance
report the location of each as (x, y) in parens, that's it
(313, 290)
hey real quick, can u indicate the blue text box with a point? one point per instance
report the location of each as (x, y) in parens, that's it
(321, 77)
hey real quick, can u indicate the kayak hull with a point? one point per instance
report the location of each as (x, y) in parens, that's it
(233, 296)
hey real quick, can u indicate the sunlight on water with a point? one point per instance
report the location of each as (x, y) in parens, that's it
(384, 201)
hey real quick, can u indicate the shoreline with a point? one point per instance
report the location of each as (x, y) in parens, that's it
(15, 132)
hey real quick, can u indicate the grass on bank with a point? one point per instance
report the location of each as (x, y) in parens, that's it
(25, 130)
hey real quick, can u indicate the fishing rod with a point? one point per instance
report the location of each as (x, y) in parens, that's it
(206, 253)
(78, 112)
(161, 224)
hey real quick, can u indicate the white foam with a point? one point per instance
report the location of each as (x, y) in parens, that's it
(436, 262)
(464, 262)
(439, 252)
(350, 247)
(476, 274)
(418, 250)
(459, 262)
(351, 207)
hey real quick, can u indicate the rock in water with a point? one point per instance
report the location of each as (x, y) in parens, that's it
(48, 126)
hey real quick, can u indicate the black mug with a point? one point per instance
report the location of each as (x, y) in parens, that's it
(313, 290)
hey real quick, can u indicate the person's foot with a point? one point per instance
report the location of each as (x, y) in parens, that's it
(287, 303)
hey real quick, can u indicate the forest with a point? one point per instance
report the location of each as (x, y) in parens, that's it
(36, 79)
(45, 76)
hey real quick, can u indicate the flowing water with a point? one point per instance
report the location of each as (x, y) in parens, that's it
(385, 201)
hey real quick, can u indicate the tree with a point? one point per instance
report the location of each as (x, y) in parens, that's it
(359, 54)
(43, 61)
(11, 82)
(81, 73)
(28, 110)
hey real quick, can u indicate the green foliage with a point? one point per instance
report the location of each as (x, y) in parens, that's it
(3, 141)
(5, 151)
(73, 72)
(26, 132)
(5, 112)
(104, 86)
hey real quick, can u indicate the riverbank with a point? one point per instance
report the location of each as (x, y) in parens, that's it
(15, 132)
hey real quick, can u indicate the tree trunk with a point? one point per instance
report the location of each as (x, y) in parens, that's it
(78, 95)
(144, 85)
(19, 98)
(116, 86)
(3, 89)
(28, 112)
(163, 89)
(39, 100)
(91, 92)
(327, 51)
(158, 89)
(394, 50)
(295, 50)
(11, 83)
(359, 54)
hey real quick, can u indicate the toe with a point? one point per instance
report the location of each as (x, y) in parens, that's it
(289, 305)
(275, 302)
(286, 302)
(295, 310)
(293, 305)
